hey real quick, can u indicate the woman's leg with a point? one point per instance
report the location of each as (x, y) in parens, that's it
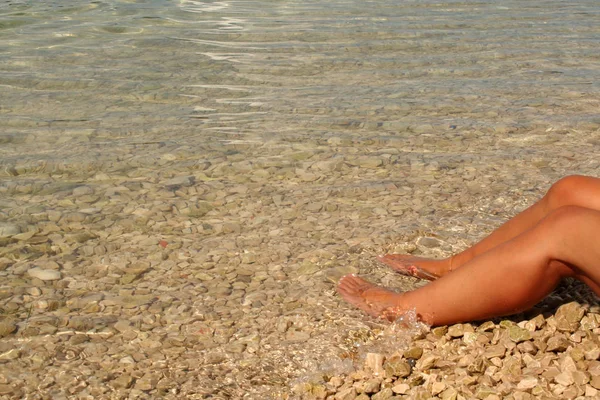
(576, 190)
(507, 279)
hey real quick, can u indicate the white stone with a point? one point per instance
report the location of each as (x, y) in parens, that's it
(44, 274)
(401, 388)
(529, 382)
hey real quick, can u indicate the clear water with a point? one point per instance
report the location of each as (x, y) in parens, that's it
(84, 82)
(471, 108)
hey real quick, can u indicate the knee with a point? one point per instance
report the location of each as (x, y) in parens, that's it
(565, 219)
(566, 192)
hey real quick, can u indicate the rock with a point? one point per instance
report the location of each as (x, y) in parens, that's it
(6, 389)
(231, 227)
(44, 274)
(328, 165)
(568, 317)
(440, 331)
(528, 382)
(413, 353)
(426, 362)
(122, 326)
(564, 378)
(370, 386)
(82, 191)
(346, 394)
(437, 388)
(374, 363)
(486, 326)
(485, 392)
(7, 327)
(517, 334)
(383, 394)
(449, 394)
(7, 229)
(147, 382)
(589, 322)
(429, 242)
(308, 268)
(366, 161)
(495, 351)
(180, 181)
(557, 343)
(11, 354)
(458, 330)
(123, 381)
(396, 367)
(580, 377)
(590, 391)
(401, 388)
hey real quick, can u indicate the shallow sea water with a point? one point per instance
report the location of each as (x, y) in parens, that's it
(274, 145)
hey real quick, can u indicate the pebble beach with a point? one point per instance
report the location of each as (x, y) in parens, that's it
(182, 184)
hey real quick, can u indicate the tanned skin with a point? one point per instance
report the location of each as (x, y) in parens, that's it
(509, 271)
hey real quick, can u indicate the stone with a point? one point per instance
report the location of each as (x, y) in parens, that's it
(6, 389)
(440, 331)
(527, 382)
(557, 343)
(383, 394)
(366, 161)
(486, 326)
(180, 181)
(485, 392)
(396, 367)
(426, 362)
(449, 394)
(82, 191)
(429, 242)
(44, 274)
(374, 363)
(589, 322)
(517, 334)
(401, 388)
(11, 354)
(7, 327)
(370, 386)
(122, 325)
(8, 229)
(346, 394)
(147, 382)
(413, 353)
(437, 388)
(580, 377)
(122, 381)
(495, 351)
(456, 330)
(564, 378)
(591, 351)
(568, 317)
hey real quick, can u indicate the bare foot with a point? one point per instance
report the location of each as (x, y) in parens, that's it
(374, 300)
(419, 267)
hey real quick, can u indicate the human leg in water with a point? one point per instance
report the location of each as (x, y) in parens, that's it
(581, 191)
(506, 279)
